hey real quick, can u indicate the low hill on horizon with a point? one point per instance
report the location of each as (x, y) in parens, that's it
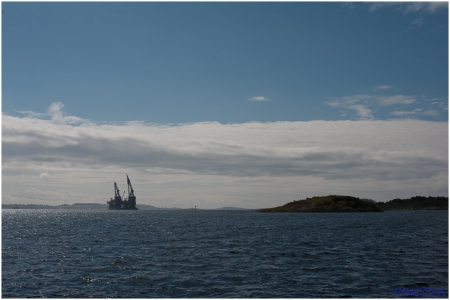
(100, 206)
(83, 206)
(332, 203)
(416, 203)
(232, 208)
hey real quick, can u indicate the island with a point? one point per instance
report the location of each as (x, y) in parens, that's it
(331, 203)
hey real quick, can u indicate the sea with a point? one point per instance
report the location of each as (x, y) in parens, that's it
(223, 254)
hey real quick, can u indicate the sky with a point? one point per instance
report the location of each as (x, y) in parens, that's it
(223, 104)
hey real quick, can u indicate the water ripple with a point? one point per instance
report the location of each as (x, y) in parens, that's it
(186, 254)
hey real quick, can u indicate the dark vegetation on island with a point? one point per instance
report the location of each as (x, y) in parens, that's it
(332, 203)
(416, 203)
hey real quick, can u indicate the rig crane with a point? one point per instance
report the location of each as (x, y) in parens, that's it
(131, 196)
(116, 191)
(117, 199)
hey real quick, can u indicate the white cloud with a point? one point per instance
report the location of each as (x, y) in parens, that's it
(380, 5)
(411, 7)
(383, 88)
(406, 113)
(395, 100)
(259, 98)
(32, 114)
(430, 7)
(431, 112)
(364, 105)
(55, 111)
(362, 111)
(45, 177)
(348, 101)
(418, 22)
(247, 164)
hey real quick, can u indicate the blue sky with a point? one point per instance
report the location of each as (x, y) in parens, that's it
(191, 62)
(223, 104)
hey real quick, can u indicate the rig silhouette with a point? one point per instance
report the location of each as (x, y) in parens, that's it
(118, 202)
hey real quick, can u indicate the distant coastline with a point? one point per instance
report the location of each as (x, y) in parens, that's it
(335, 203)
(98, 206)
(88, 206)
(414, 203)
(331, 203)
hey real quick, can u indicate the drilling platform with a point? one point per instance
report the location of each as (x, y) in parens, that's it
(118, 202)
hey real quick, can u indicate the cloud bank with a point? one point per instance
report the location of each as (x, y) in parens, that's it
(213, 160)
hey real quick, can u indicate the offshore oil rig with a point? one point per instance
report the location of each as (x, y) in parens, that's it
(123, 203)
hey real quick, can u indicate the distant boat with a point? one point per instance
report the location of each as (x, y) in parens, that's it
(121, 203)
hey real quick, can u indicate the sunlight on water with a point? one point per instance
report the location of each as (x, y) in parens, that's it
(51, 253)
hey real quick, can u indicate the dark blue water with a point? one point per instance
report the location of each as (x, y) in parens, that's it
(202, 254)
